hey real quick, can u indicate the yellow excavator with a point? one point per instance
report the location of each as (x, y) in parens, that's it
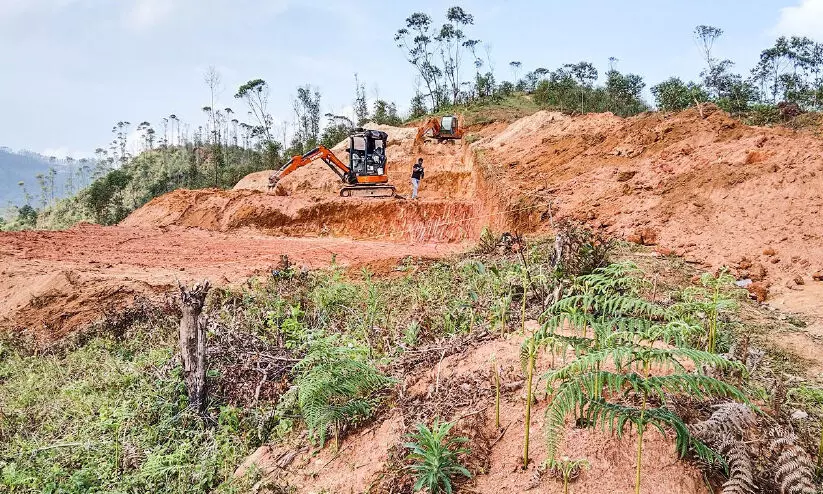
(365, 175)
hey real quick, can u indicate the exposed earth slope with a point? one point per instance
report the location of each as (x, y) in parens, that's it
(712, 189)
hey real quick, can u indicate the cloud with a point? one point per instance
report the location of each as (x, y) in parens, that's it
(145, 14)
(805, 19)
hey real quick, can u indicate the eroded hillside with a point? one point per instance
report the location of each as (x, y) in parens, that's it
(710, 189)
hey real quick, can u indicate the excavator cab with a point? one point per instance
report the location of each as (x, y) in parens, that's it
(449, 127)
(367, 155)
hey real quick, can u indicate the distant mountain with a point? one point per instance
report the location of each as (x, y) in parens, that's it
(24, 166)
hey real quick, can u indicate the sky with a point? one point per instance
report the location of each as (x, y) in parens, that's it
(71, 69)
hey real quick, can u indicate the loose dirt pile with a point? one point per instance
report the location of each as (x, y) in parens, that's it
(713, 189)
(359, 218)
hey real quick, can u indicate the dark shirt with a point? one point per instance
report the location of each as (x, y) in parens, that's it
(417, 171)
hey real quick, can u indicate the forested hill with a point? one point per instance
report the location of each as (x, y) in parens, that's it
(24, 166)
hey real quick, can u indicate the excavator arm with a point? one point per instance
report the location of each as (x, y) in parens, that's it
(320, 152)
(432, 124)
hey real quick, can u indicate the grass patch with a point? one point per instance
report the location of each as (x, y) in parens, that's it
(112, 416)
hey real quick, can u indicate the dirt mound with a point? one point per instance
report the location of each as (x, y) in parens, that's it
(254, 181)
(389, 219)
(368, 457)
(711, 189)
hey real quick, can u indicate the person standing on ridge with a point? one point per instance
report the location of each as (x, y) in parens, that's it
(417, 176)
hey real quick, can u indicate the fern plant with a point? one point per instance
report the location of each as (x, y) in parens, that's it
(608, 303)
(708, 303)
(605, 310)
(336, 387)
(435, 457)
(613, 326)
(609, 398)
(528, 357)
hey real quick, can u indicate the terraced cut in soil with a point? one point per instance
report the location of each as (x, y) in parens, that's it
(710, 189)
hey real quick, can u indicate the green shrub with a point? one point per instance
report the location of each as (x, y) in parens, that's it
(436, 457)
(763, 115)
(336, 387)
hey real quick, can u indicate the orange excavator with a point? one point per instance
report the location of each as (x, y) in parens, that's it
(445, 128)
(365, 175)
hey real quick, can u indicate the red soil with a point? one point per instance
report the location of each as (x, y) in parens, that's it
(364, 457)
(710, 189)
(54, 282)
(713, 190)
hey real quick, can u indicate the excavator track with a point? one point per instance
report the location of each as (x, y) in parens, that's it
(368, 191)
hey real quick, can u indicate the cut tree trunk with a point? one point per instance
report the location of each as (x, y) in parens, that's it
(193, 343)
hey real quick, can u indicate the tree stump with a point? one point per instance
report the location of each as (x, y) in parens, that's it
(193, 343)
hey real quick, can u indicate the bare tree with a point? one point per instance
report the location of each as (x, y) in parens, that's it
(256, 95)
(215, 84)
(705, 36)
(417, 39)
(361, 107)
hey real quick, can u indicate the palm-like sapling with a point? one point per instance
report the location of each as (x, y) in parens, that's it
(708, 303)
(435, 457)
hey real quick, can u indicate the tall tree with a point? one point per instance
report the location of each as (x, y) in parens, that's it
(26, 196)
(120, 142)
(214, 82)
(50, 179)
(515, 66)
(44, 189)
(417, 40)
(715, 71)
(585, 74)
(174, 121)
(256, 95)
(451, 38)
(307, 114)
(69, 185)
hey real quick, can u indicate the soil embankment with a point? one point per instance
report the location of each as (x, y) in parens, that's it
(710, 189)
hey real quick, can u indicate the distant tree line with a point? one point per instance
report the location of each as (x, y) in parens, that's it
(790, 72)
(788, 79)
(217, 153)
